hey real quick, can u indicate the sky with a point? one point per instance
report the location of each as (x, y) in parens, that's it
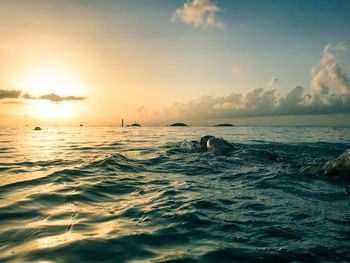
(156, 62)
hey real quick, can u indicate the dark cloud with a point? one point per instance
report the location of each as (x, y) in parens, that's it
(10, 94)
(13, 102)
(55, 98)
(18, 94)
(26, 95)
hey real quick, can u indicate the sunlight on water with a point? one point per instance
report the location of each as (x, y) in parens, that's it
(140, 195)
(140, 155)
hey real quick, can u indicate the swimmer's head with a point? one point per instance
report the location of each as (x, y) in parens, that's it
(204, 142)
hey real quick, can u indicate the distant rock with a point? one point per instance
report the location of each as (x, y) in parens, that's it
(134, 125)
(224, 125)
(178, 124)
(37, 128)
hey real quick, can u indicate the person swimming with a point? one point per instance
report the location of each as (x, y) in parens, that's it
(339, 166)
(209, 143)
(216, 145)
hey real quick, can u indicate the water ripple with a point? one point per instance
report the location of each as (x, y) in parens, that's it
(136, 196)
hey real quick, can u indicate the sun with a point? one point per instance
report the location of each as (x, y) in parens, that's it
(46, 110)
(44, 82)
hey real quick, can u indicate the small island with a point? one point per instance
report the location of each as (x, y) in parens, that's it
(37, 128)
(134, 125)
(178, 124)
(224, 125)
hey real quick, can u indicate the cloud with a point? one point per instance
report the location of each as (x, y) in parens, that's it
(55, 98)
(329, 76)
(142, 111)
(329, 93)
(272, 84)
(18, 94)
(10, 94)
(13, 102)
(235, 71)
(198, 13)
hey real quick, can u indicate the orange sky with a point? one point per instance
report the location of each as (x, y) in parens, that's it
(95, 63)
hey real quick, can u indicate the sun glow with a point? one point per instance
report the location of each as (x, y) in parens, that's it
(44, 82)
(43, 109)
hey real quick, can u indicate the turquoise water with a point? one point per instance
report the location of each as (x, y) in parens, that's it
(138, 195)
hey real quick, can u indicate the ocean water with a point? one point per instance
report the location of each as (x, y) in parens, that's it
(140, 194)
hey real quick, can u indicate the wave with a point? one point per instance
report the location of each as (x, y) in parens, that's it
(172, 202)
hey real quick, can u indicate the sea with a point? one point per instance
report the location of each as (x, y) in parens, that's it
(144, 194)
